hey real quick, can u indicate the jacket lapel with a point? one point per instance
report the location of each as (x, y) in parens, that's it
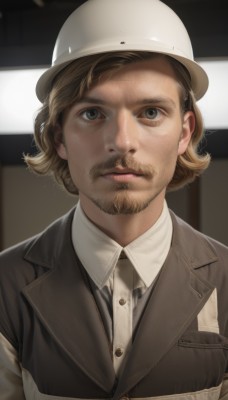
(177, 298)
(63, 301)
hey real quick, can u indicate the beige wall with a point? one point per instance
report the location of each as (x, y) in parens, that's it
(30, 203)
(214, 201)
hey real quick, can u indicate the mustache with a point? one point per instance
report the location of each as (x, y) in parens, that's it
(128, 162)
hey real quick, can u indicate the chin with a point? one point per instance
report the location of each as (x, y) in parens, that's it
(122, 204)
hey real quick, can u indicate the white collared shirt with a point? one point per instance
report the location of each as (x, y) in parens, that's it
(100, 256)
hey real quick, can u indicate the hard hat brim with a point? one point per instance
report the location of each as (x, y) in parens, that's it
(199, 78)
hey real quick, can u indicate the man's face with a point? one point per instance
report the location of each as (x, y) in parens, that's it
(122, 139)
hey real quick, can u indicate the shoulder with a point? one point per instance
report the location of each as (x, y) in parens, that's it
(22, 264)
(19, 258)
(195, 242)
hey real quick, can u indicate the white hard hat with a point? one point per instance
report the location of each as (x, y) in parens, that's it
(100, 26)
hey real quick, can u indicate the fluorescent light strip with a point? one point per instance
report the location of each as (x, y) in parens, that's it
(18, 102)
(214, 105)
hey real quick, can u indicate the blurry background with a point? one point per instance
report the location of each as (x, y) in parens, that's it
(28, 30)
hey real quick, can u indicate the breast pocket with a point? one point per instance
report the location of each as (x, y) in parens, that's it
(207, 340)
(206, 354)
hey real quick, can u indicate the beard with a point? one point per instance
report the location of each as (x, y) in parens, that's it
(123, 202)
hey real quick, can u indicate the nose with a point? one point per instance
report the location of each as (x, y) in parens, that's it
(122, 134)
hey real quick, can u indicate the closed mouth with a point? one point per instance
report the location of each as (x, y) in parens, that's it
(122, 171)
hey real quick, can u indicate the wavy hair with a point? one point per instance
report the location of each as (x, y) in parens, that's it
(68, 88)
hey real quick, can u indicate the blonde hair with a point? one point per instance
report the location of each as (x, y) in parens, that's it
(68, 88)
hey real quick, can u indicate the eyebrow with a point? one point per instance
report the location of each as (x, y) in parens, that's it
(151, 100)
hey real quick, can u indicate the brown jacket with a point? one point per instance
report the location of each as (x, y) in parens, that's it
(53, 343)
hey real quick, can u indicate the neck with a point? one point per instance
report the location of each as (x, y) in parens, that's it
(124, 228)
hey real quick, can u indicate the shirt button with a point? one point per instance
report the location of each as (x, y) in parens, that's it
(119, 352)
(122, 302)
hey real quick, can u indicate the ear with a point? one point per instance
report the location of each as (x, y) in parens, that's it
(188, 127)
(59, 143)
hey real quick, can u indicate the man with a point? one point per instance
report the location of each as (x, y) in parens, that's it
(119, 298)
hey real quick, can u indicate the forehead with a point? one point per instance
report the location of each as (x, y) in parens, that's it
(155, 75)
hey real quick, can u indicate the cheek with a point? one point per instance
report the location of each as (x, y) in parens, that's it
(77, 171)
(80, 158)
(164, 149)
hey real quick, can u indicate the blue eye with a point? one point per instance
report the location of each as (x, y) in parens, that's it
(151, 113)
(91, 114)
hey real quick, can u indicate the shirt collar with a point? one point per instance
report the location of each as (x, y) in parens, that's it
(99, 253)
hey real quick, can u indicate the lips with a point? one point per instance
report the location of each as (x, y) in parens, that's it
(121, 176)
